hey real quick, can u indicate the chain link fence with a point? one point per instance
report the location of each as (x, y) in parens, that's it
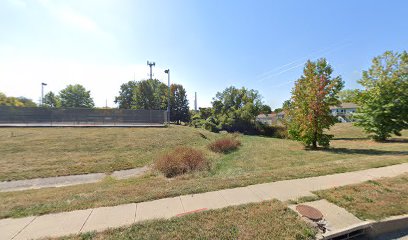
(79, 116)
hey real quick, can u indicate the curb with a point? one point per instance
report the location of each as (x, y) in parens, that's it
(371, 229)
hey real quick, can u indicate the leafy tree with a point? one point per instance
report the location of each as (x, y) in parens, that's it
(309, 111)
(76, 96)
(278, 110)
(286, 104)
(3, 97)
(52, 100)
(16, 101)
(348, 95)
(126, 94)
(150, 94)
(200, 117)
(27, 102)
(179, 109)
(235, 109)
(266, 109)
(383, 104)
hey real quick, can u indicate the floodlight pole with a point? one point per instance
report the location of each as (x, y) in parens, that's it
(168, 99)
(42, 93)
(151, 64)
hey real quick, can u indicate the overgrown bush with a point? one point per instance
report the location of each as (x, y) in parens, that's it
(180, 161)
(225, 144)
(271, 130)
(281, 132)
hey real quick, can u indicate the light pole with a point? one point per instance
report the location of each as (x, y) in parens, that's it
(42, 93)
(168, 99)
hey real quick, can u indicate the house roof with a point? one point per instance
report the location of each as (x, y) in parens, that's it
(345, 105)
(270, 115)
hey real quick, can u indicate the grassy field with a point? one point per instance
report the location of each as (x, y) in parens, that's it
(259, 160)
(272, 220)
(44, 152)
(373, 199)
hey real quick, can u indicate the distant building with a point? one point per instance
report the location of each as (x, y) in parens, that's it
(271, 118)
(344, 111)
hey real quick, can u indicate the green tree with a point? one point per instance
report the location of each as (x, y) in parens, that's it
(309, 111)
(266, 109)
(179, 109)
(150, 94)
(286, 104)
(10, 101)
(27, 102)
(52, 100)
(348, 95)
(126, 94)
(76, 96)
(278, 110)
(383, 104)
(235, 109)
(200, 117)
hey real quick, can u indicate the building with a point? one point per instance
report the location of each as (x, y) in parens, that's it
(344, 112)
(271, 118)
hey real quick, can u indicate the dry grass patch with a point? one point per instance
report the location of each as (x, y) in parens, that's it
(267, 220)
(46, 152)
(225, 144)
(180, 161)
(373, 199)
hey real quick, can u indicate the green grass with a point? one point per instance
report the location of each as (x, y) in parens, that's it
(45, 152)
(373, 199)
(258, 160)
(267, 220)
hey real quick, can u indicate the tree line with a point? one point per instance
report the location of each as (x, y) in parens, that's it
(145, 94)
(153, 94)
(382, 101)
(16, 101)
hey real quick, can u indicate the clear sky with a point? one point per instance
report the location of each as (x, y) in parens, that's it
(207, 44)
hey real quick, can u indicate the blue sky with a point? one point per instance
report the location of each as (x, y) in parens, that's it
(208, 45)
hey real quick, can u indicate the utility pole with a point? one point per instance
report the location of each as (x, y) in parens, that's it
(42, 93)
(195, 102)
(168, 99)
(151, 64)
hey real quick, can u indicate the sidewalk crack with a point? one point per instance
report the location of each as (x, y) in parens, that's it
(86, 220)
(134, 220)
(24, 227)
(256, 194)
(181, 204)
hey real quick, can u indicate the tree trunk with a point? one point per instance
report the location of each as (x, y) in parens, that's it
(314, 142)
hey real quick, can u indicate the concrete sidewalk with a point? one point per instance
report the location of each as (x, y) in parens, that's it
(61, 224)
(63, 181)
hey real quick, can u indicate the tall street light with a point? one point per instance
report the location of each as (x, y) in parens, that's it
(42, 93)
(168, 99)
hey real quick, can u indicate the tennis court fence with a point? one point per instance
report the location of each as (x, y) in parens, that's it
(80, 116)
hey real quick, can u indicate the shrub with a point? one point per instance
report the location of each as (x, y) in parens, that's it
(272, 130)
(281, 132)
(225, 144)
(181, 160)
